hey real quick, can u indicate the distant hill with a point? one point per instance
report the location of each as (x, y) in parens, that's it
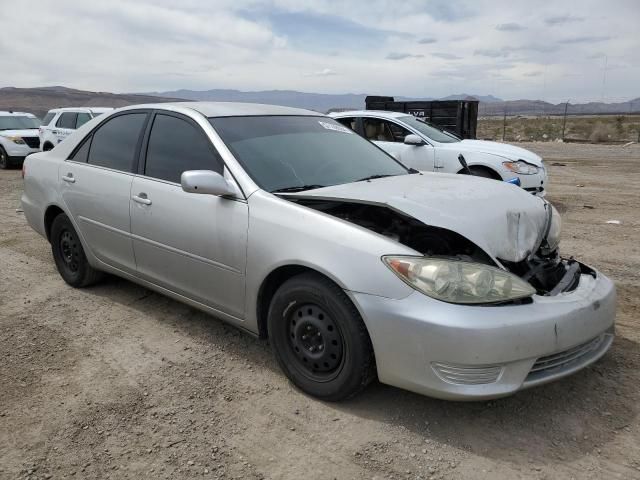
(538, 107)
(464, 96)
(39, 100)
(321, 102)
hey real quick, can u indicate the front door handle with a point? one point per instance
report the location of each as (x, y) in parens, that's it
(69, 178)
(141, 198)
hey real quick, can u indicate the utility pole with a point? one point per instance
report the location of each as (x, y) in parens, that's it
(504, 124)
(564, 121)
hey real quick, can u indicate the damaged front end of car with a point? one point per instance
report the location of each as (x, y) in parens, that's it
(542, 269)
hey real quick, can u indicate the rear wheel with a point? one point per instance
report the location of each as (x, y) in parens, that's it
(4, 159)
(319, 338)
(69, 255)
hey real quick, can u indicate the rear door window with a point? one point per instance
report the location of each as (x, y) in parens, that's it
(115, 143)
(379, 130)
(349, 122)
(82, 119)
(67, 120)
(47, 118)
(175, 146)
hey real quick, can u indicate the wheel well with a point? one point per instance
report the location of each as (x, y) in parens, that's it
(268, 289)
(495, 175)
(52, 212)
(47, 144)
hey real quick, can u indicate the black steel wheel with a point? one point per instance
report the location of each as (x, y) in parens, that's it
(319, 338)
(316, 340)
(69, 255)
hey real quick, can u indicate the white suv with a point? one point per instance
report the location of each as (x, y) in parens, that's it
(18, 137)
(59, 123)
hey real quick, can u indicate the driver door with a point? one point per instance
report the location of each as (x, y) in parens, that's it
(390, 137)
(194, 245)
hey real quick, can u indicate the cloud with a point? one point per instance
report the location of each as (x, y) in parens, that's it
(332, 46)
(401, 56)
(492, 52)
(446, 56)
(562, 20)
(537, 73)
(584, 39)
(510, 27)
(325, 72)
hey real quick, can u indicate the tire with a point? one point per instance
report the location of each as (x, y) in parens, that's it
(46, 147)
(69, 255)
(482, 172)
(319, 338)
(4, 159)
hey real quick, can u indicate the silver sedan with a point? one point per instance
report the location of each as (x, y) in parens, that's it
(290, 226)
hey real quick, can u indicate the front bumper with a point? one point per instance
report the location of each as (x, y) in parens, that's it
(459, 352)
(18, 151)
(535, 184)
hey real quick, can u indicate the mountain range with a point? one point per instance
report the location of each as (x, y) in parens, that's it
(40, 100)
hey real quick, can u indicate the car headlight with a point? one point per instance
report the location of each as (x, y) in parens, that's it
(555, 228)
(15, 139)
(521, 167)
(456, 281)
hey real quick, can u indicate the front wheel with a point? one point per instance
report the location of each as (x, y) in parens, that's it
(319, 338)
(4, 159)
(483, 172)
(69, 255)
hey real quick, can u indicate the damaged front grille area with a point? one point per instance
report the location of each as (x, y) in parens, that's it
(551, 274)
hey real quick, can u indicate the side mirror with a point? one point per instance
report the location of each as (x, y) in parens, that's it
(414, 140)
(206, 182)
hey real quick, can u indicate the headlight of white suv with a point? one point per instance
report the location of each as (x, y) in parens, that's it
(521, 167)
(456, 281)
(15, 139)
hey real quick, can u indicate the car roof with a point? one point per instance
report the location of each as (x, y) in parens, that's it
(11, 113)
(364, 113)
(80, 109)
(229, 109)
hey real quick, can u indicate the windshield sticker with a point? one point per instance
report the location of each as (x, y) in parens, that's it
(336, 128)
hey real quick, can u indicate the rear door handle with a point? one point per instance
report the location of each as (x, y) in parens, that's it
(141, 198)
(69, 178)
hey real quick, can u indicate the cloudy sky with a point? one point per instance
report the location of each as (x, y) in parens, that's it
(551, 50)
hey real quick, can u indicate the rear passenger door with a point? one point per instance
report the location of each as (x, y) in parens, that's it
(96, 187)
(81, 119)
(194, 245)
(65, 125)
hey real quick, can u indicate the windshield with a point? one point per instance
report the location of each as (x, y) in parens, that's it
(429, 131)
(300, 153)
(18, 122)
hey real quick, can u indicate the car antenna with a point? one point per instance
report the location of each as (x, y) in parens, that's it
(465, 167)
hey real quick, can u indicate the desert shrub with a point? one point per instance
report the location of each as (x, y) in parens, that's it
(601, 133)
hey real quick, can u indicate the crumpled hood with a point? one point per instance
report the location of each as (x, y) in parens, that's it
(502, 219)
(509, 152)
(27, 132)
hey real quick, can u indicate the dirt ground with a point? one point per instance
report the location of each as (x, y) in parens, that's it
(115, 381)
